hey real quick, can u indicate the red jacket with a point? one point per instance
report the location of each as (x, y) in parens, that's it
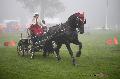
(36, 30)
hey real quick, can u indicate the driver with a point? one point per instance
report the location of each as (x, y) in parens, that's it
(36, 29)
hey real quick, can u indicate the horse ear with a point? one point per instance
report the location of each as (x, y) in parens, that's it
(85, 21)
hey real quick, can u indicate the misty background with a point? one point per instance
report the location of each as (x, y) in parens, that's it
(95, 10)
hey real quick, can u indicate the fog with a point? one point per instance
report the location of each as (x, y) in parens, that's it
(95, 11)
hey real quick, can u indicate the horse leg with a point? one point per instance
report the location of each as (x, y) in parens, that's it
(71, 53)
(57, 51)
(80, 47)
(46, 50)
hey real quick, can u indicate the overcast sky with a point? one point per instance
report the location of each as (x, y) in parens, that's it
(95, 11)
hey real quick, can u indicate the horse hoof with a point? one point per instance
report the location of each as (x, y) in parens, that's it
(58, 59)
(78, 54)
(74, 62)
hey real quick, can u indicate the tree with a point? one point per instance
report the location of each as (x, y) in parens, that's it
(48, 8)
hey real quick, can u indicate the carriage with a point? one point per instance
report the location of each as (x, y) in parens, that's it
(31, 43)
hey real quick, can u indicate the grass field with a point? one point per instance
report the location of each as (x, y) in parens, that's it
(98, 61)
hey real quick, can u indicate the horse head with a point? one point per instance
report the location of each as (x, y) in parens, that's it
(77, 21)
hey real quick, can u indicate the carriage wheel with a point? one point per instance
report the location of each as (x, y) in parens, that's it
(20, 50)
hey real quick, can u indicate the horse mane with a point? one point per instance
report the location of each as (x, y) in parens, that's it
(72, 21)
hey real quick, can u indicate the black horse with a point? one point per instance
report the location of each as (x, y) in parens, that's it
(66, 33)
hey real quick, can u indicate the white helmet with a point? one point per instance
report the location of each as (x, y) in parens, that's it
(36, 14)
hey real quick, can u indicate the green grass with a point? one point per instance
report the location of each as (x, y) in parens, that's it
(98, 61)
